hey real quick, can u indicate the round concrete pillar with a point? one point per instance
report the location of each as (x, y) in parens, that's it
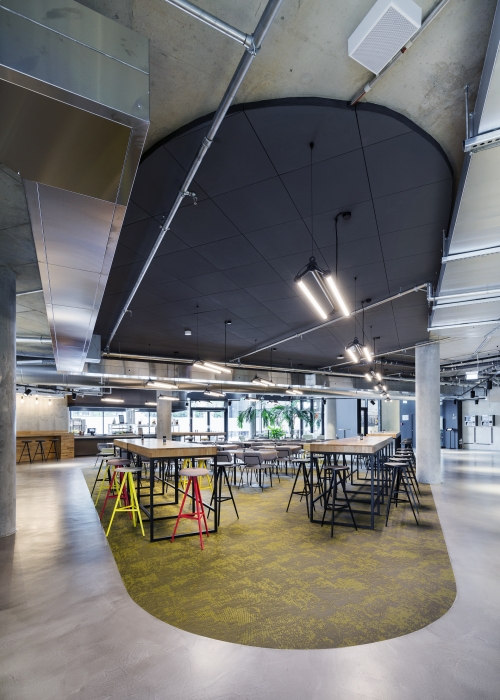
(163, 416)
(7, 402)
(331, 419)
(427, 410)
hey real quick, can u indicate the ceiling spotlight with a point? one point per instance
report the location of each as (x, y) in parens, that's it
(372, 402)
(73, 395)
(187, 331)
(262, 382)
(326, 294)
(214, 393)
(340, 357)
(27, 391)
(162, 385)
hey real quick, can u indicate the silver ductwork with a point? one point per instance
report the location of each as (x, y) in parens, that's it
(74, 114)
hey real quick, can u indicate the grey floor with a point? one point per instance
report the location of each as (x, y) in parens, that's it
(69, 629)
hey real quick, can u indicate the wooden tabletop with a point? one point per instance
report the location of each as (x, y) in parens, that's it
(39, 433)
(385, 432)
(184, 434)
(369, 445)
(152, 447)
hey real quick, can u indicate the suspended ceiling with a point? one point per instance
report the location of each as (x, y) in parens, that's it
(236, 252)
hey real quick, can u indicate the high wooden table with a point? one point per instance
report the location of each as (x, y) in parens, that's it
(194, 434)
(374, 449)
(155, 452)
(395, 436)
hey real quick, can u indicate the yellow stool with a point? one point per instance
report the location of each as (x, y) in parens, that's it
(110, 463)
(200, 464)
(133, 505)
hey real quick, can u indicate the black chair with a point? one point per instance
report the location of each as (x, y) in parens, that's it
(253, 462)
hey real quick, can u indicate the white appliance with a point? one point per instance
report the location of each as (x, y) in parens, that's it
(388, 26)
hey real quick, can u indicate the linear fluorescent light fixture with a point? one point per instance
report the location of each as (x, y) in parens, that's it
(472, 375)
(151, 403)
(214, 393)
(368, 376)
(168, 398)
(262, 382)
(211, 367)
(162, 385)
(320, 290)
(358, 352)
(294, 392)
(113, 400)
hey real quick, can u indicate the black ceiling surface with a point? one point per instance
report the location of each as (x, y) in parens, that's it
(236, 253)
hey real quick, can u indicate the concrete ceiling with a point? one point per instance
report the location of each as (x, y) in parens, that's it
(305, 54)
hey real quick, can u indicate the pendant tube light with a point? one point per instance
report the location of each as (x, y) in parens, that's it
(113, 400)
(326, 296)
(168, 398)
(262, 382)
(214, 393)
(202, 365)
(162, 385)
(211, 366)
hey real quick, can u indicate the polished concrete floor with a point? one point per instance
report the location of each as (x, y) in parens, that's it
(68, 629)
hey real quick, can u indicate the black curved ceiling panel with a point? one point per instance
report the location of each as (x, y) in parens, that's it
(235, 254)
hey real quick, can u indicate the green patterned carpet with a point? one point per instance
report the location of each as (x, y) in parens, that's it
(273, 579)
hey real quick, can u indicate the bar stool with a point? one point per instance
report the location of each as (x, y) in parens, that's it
(224, 460)
(106, 453)
(304, 492)
(125, 475)
(110, 463)
(199, 511)
(26, 448)
(400, 477)
(53, 448)
(39, 450)
(338, 478)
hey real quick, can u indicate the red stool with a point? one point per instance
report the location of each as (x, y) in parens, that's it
(109, 492)
(199, 511)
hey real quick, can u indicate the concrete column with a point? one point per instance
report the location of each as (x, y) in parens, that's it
(427, 410)
(163, 417)
(331, 419)
(7, 402)
(390, 416)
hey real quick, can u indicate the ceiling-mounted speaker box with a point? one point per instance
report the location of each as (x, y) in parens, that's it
(388, 26)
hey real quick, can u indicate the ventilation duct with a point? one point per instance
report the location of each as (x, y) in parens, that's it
(388, 26)
(74, 114)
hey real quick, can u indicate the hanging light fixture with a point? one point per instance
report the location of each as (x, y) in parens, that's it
(211, 367)
(162, 385)
(316, 284)
(209, 392)
(294, 392)
(168, 398)
(262, 382)
(359, 351)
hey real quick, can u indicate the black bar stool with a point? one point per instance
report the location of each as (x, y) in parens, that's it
(224, 461)
(39, 450)
(302, 470)
(53, 448)
(401, 486)
(26, 448)
(338, 478)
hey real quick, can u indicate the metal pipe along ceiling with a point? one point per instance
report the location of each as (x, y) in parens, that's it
(215, 22)
(261, 30)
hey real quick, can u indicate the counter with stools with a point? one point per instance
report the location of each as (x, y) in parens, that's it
(44, 445)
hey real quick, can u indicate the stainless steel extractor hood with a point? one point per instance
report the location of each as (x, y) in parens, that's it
(74, 114)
